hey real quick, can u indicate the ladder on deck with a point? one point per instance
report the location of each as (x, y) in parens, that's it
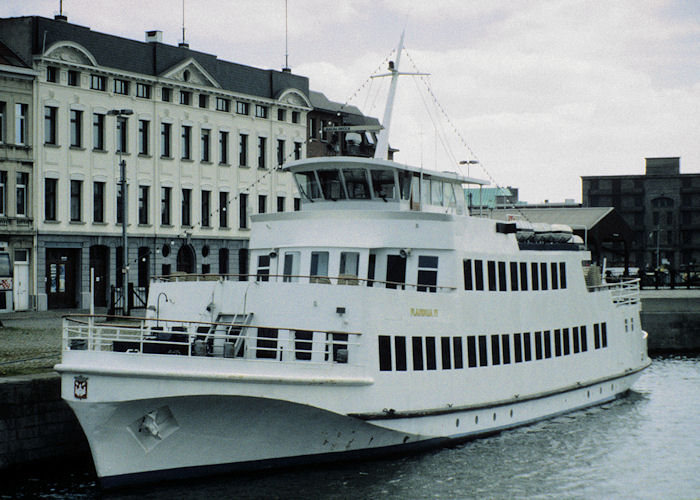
(230, 333)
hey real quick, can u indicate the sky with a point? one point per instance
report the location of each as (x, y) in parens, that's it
(540, 92)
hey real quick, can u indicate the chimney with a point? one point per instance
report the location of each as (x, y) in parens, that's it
(154, 36)
(184, 45)
(60, 17)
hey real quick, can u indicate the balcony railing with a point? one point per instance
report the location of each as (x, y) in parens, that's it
(622, 294)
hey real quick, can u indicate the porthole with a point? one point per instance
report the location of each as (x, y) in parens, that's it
(494, 416)
(165, 250)
(476, 419)
(205, 250)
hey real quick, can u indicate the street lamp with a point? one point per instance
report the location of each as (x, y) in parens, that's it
(122, 115)
(467, 163)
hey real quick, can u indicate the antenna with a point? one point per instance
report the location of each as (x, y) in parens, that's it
(183, 43)
(286, 39)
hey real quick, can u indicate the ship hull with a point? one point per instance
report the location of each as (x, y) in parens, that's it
(187, 436)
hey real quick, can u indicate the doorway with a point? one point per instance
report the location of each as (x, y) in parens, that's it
(62, 265)
(186, 259)
(395, 271)
(99, 261)
(21, 280)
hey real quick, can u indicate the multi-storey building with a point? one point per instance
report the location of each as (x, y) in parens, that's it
(201, 139)
(16, 176)
(662, 207)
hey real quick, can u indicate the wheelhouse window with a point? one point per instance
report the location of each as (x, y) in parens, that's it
(331, 185)
(427, 273)
(356, 183)
(383, 184)
(308, 186)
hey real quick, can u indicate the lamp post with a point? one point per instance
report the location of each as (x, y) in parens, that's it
(122, 115)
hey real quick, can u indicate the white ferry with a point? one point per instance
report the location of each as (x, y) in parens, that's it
(381, 318)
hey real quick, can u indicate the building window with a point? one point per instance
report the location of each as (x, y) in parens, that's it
(2, 122)
(51, 74)
(186, 142)
(165, 151)
(73, 78)
(223, 260)
(50, 199)
(282, 115)
(262, 204)
(297, 150)
(166, 94)
(143, 204)
(165, 206)
(50, 122)
(20, 124)
(3, 193)
(223, 148)
(186, 212)
(243, 150)
(121, 86)
(205, 145)
(223, 209)
(98, 132)
(260, 111)
(185, 97)
(143, 91)
(280, 203)
(76, 196)
(206, 208)
(21, 190)
(262, 146)
(122, 135)
(427, 273)
(223, 104)
(295, 116)
(280, 151)
(243, 211)
(98, 202)
(76, 128)
(98, 82)
(242, 108)
(203, 101)
(143, 137)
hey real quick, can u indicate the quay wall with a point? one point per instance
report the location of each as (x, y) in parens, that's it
(36, 425)
(672, 319)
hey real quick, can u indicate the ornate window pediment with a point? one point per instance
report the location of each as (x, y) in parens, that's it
(70, 52)
(294, 97)
(190, 71)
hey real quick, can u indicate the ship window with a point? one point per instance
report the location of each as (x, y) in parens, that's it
(459, 356)
(535, 276)
(339, 346)
(430, 353)
(405, 180)
(467, 265)
(543, 275)
(446, 354)
(267, 343)
(523, 276)
(576, 340)
(263, 267)
(555, 275)
(527, 347)
(517, 348)
(502, 286)
(562, 275)
(349, 264)
(303, 343)
(356, 183)
(291, 266)
(435, 192)
(371, 263)
(417, 348)
(471, 351)
(584, 340)
(565, 339)
(495, 350)
(491, 267)
(383, 184)
(538, 345)
(425, 190)
(450, 199)
(596, 336)
(308, 186)
(557, 342)
(547, 344)
(479, 274)
(395, 271)
(400, 348)
(505, 348)
(319, 267)
(384, 353)
(483, 355)
(514, 276)
(427, 273)
(604, 334)
(331, 184)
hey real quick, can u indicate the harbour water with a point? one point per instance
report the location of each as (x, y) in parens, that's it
(645, 445)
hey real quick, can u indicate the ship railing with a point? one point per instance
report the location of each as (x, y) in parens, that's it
(343, 279)
(622, 294)
(130, 335)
